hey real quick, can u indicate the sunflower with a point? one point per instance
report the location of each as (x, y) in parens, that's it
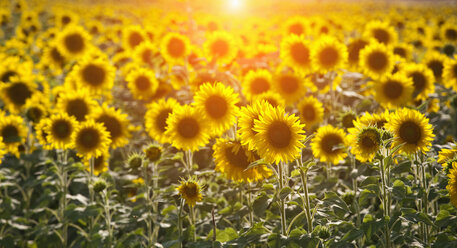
(376, 120)
(186, 128)
(96, 75)
(354, 47)
(404, 50)
(295, 52)
(100, 163)
(247, 115)
(73, 42)
(447, 154)
(144, 53)
(90, 139)
(449, 32)
(190, 191)
(296, 25)
(133, 36)
(142, 83)
(329, 144)
(59, 129)
(452, 184)
(450, 73)
(42, 135)
(156, 117)
(53, 59)
(423, 80)
(217, 104)
(76, 103)
(16, 93)
(436, 61)
(175, 48)
(279, 135)
(272, 98)
(232, 159)
(256, 82)
(328, 54)
(13, 66)
(311, 111)
(382, 32)
(365, 141)
(376, 60)
(3, 150)
(411, 128)
(13, 132)
(115, 122)
(290, 86)
(394, 90)
(64, 18)
(220, 47)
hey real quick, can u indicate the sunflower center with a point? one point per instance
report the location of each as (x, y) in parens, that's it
(34, 114)
(410, 132)
(259, 85)
(77, 108)
(377, 60)
(74, 43)
(176, 47)
(451, 34)
(448, 49)
(437, 67)
(289, 84)
(61, 129)
(190, 190)
(354, 50)
(328, 56)
(135, 39)
(94, 75)
(10, 134)
(296, 28)
(308, 112)
(367, 142)
(89, 138)
(142, 83)
(18, 93)
(330, 143)
(99, 163)
(237, 157)
(6, 76)
(279, 134)
(393, 89)
(56, 56)
(454, 70)
(400, 51)
(219, 48)
(146, 56)
(188, 128)
(381, 35)
(419, 81)
(300, 53)
(66, 20)
(216, 106)
(112, 124)
(161, 120)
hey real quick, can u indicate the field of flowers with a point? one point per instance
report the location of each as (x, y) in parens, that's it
(228, 123)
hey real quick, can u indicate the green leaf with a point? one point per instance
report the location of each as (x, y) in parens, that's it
(332, 199)
(353, 234)
(365, 196)
(260, 204)
(224, 235)
(400, 168)
(256, 163)
(285, 192)
(369, 180)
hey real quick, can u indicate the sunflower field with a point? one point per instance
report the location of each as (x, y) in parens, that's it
(228, 123)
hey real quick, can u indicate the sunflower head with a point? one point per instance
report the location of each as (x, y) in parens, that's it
(382, 32)
(73, 41)
(90, 139)
(16, 93)
(59, 128)
(347, 118)
(290, 86)
(328, 54)
(95, 75)
(394, 90)
(153, 152)
(452, 183)
(115, 122)
(329, 144)
(100, 163)
(142, 83)
(436, 61)
(135, 160)
(423, 80)
(311, 111)
(354, 48)
(295, 52)
(376, 60)
(190, 191)
(256, 82)
(156, 117)
(175, 47)
(221, 47)
(132, 37)
(247, 116)
(365, 141)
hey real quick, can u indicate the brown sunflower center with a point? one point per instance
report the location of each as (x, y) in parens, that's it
(300, 53)
(419, 81)
(393, 89)
(10, 134)
(161, 120)
(279, 134)
(89, 138)
(308, 112)
(18, 93)
(400, 51)
(190, 190)
(146, 56)
(451, 34)
(437, 67)
(188, 127)
(74, 43)
(454, 70)
(328, 56)
(237, 157)
(135, 39)
(381, 35)
(377, 60)
(112, 124)
(93, 74)
(61, 129)
(142, 83)
(259, 85)
(216, 106)
(176, 47)
(289, 84)
(354, 50)
(34, 114)
(56, 56)
(410, 132)
(99, 163)
(219, 48)
(66, 20)
(77, 108)
(6, 76)
(296, 28)
(331, 143)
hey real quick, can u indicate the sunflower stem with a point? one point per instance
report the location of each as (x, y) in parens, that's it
(193, 235)
(304, 179)
(91, 192)
(251, 216)
(180, 223)
(425, 202)
(64, 187)
(282, 207)
(385, 205)
(155, 207)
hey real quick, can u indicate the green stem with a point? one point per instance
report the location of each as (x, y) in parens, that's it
(425, 203)
(193, 235)
(282, 207)
(385, 205)
(251, 215)
(91, 192)
(180, 223)
(108, 219)
(304, 180)
(64, 197)
(155, 207)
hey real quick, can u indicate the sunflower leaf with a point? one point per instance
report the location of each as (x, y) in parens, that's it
(255, 164)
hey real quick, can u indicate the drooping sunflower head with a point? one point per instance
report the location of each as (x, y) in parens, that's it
(382, 32)
(175, 48)
(217, 103)
(190, 191)
(187, 129)
(95, 75)
(412, 129)
(59, 129)
(328, 54)
(156, 117)
(232, 159)
(221, 47)
(452, 184)
(376, 60)
(13, 132)
(279, 135)
(394, 90)
(365, 141)
(90, 139)
(247, 115)
(329, 144)
(16, 93)
(142, 83)
(295, 52)
(290, 86)
(115, 122)
(76, 103)
(256, 82)
(354, 48)
(436, 61)
(73, 42)
(423, 80)
(311, 111)
(132, 37)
